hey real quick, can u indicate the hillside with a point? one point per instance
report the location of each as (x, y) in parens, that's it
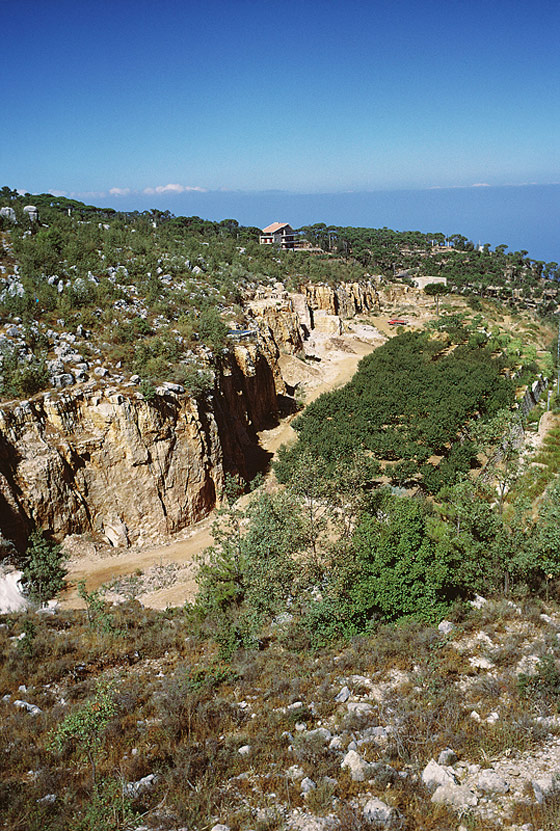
(349, 526)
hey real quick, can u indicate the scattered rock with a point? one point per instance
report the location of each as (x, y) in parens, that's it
(359, 708)
(447, 757)
(435, 775)
(245, 750)
(379, 812)
(307, 785)
(445, 627)
(358, 767)
(295, 773)
(456, 796)
(491, 782)
(320, 732)
(32, 709)
(343, 696)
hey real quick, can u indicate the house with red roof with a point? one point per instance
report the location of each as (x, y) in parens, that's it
(280, 234)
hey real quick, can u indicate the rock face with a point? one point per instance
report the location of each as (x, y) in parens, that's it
(32, 213)
(95, 459)
(8, 213)
(90, 460)
(344, 300)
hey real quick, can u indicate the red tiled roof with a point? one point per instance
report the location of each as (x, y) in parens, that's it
(271, 229)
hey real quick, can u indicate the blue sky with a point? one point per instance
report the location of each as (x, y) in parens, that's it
(119, 98)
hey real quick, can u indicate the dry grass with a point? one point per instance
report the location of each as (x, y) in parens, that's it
(183, 714)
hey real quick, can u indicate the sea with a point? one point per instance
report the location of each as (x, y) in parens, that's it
(523, 217)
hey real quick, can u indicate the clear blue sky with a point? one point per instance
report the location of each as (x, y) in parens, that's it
(300, 96)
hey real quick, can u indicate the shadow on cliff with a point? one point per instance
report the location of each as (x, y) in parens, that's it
(245, 403)
(14, 522)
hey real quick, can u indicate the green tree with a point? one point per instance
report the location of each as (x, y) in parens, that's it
(436, 290)
(400, 569)
(43, 570)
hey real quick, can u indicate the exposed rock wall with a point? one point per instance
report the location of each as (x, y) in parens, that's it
(345, 300)
(110, 462)
(101, 461)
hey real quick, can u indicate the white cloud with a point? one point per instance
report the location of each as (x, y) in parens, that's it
(173, 189)
(119, 191)
(480, 185)
(55, 192)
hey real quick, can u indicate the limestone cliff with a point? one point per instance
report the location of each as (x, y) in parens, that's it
(112, 462)
(105, 460)
(345, 299)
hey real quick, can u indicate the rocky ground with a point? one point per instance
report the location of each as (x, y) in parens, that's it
(454, 728)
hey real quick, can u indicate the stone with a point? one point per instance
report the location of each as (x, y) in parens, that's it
(545, 786)
(359, 769)
(445, 627)
(177, 389)
(295, 772)
(455, 796)
(11, 592)
(435, 775)
(478, 601)
(220, 827)
(32, 213)
(343, 696)
(480, 662)
(116, 532)
(48, 799)
(245, 750)
(447, 757)
(336, 743)
(8, 213)
(136, 789)
(359, 708)
(491, 782)
(307, 785)
(319, 732)
(32, 709)
(378, 734)
(376, 811)
(65, 379)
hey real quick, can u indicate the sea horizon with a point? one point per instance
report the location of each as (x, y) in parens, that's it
(523, 217)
